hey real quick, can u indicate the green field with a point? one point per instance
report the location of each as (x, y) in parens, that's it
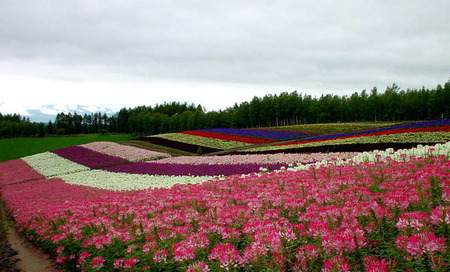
(14, 148)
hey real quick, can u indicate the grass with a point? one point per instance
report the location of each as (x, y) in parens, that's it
(14, 148)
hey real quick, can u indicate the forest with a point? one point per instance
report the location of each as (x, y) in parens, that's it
(393, 104)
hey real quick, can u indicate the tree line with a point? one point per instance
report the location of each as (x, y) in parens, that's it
(14, 125)
(281, 109)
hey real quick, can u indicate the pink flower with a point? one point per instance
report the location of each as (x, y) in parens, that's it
(198, 267)
(160, 255)
(373, 264)
(83, 256)
(131, 248)
(336, 264)
(183, 252)
(118, 263)
(61, 259)
(419, 244)
(226, 254)
(148, 246)
(59, 249)
(307, 252)
(130, 262)
(412, 220)
(97, 262)
(440, 215)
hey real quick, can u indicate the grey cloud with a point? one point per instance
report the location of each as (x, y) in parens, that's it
(293, 43)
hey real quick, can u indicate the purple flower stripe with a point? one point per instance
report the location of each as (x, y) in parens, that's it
(191, 169)
(415, 125)
(266, 134)
(88, 157)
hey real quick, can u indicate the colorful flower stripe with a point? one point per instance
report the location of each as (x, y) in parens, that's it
(418, 137)
(176, 169)
(257, 158)
(406, 126)
(128, 182)
(64, 194)
(228, 137)
(201, 141)
(16, 171)
(258, 133)
(50, 164)
(445, 128)
(382, 156)
(129, 153)
(353, 217)
(88, 157)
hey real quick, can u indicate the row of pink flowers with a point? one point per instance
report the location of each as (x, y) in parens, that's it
(390, 216)
(16, 171)
(126, 152)
(257, 158)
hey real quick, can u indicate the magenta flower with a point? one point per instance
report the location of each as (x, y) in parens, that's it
(412, 221)
(83, 256)
(418, 244)
(118, 263)
(198, 267)
(307, 252)
(336, 264)
(129, 263)
(373, 264)
(226, 254)
(97, 262)
(161, 255)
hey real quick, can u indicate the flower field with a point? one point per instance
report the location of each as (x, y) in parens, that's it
(257, 133)
(218, 139)
(108, 207)
(413, 134)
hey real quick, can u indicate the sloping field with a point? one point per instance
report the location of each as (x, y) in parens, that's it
(351, 137)
(214, 140)
(398, 136)
(110, 207)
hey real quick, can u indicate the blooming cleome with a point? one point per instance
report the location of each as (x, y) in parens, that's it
(375, 211)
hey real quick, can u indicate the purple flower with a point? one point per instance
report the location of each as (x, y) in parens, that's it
(173, 169)
(88, 157)
(258, 133)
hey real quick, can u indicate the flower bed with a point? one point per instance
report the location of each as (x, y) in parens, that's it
(129, 182)
(381, 138)
(445, 128)
(389, 215)
(177, 169)
(192, 148)
(442, 125)
(128, 153)
(229, 137)
(50, 164)
(201, 141)
(88, 157)
(16, 171)
(334, 128)
(257, 158)
(258, 133)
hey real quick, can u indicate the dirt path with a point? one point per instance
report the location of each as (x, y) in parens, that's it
(21, 255)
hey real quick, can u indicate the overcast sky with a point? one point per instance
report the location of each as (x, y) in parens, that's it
(114, 54)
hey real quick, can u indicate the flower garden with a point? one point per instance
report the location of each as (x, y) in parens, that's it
(110, 207)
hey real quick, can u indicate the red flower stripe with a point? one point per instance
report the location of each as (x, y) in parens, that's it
(229, 137)
(386, 132)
